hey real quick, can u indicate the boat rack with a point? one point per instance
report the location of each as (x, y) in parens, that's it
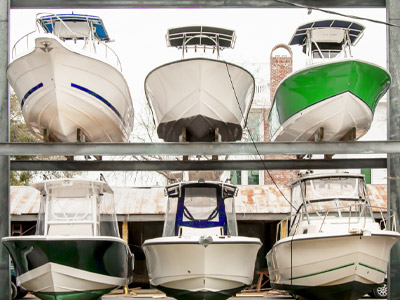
(392, 147)
(257, 150)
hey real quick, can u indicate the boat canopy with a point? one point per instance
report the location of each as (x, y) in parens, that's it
(76, 207)
(324, 31)
(74, 26)
(200, 36)
(196, 207)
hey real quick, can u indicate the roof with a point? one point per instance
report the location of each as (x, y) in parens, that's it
(251, 199)
(200, 36)
(355, 30)
(47, 22)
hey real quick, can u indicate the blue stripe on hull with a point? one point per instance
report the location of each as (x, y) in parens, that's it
(98, 97)
(31, 91)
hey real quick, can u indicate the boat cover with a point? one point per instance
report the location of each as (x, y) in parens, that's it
(48, 23)
(355, 30)
(200, 36)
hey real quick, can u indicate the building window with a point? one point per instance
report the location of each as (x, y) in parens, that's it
(253, 124)
(367, 174)
(236, 177)
(253, 177)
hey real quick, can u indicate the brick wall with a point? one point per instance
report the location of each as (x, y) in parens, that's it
(281, 65)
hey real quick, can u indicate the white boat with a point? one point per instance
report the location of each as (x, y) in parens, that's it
(67, 79)
(76, 252)
(331, 247)
(200, 255)
(207, 98)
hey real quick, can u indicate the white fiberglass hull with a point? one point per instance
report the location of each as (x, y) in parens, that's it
(61, 90)
(336, 115)
(185, 269)
(319, 266)
(70, 267)
(200, 95)
(56, 278)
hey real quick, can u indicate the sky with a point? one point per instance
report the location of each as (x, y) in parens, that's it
(140, 43)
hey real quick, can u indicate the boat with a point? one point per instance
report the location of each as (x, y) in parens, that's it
(334, 97)
(76, 252)
(200, 98)
(331, 247)
(200, 255)
(69, 82)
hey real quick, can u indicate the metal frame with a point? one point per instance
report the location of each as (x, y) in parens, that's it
(391, 147)
(190, 3)
(215, 148)
(197, 165)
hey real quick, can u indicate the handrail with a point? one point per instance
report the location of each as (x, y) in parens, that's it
(390, 215)
(14, 49)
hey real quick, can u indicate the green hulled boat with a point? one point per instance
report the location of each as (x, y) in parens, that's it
(335, 96)
(76, 253)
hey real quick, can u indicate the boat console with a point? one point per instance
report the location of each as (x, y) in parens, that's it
(199, 208)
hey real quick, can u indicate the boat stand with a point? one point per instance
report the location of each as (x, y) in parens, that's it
(183, 139)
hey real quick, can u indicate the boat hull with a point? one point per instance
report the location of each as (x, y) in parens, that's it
(61, 90)
(336, 96)
(70, 268)
(200, 95)
(185, 269)
(330, 267)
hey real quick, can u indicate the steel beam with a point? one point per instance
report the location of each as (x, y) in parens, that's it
(261, 148)
(191, 3)
(4, 160)
(393, 119)
(198, 165)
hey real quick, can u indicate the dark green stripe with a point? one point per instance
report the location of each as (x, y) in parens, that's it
(322, 272)
(369, 267)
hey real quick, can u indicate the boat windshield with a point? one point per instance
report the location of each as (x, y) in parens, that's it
(203, 207)
(74, 26)
(71, 207)
(200, 205)
(339, 194)
(332, 188)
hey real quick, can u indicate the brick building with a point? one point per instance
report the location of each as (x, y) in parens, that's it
(280, 67)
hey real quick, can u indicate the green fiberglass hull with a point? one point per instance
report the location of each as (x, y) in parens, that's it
(70, 268)
(337, 96)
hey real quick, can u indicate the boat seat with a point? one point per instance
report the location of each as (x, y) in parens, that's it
(70, 229)
(193, 231)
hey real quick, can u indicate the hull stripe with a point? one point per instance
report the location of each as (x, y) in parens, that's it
(98, 97)
(372, 268)
(31, 91)
(334, 269)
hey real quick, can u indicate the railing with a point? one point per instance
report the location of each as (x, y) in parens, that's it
(96, 46)
(388, 218)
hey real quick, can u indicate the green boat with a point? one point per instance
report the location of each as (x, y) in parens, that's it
(335, 96)
(76, 253)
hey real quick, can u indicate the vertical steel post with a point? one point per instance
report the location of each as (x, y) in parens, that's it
(393, 121)
(4, 160)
